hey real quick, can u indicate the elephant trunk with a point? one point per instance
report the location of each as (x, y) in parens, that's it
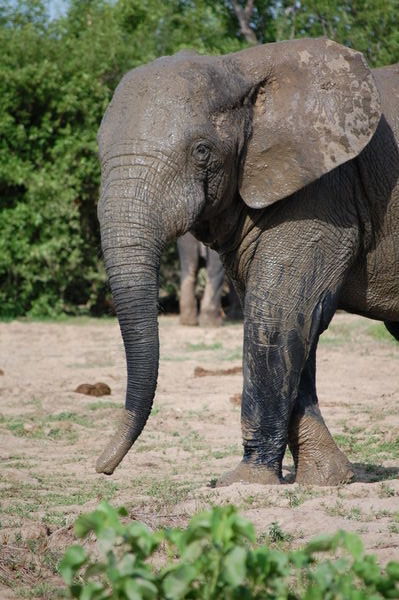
(132, 252)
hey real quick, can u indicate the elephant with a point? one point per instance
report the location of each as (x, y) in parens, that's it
(210, 315)
(284, 159)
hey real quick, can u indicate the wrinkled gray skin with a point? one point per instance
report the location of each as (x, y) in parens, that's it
(210, 312)
(284, 158)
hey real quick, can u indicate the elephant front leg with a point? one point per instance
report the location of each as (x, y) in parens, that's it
(279, 404)
(264, 449)
(317, 458)
(271, 377)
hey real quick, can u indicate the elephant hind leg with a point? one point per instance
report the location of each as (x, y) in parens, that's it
(393, 328)
(211, 304)
(188, 249)
(188, 301)
(317, 458)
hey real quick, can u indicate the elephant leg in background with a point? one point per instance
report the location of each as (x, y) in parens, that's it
(317, 458)
(393, 329)
(211, 303)
(188, 248)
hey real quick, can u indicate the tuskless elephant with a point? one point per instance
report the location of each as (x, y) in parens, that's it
(191, 251)
(284, 158)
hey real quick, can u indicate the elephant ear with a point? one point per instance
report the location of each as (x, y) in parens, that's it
(314, 106)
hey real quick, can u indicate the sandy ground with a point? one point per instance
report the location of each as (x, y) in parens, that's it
(50, 437)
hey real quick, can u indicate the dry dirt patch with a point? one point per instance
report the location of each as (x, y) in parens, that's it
(50, 437)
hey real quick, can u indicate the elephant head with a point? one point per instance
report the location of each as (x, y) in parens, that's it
(189, 138)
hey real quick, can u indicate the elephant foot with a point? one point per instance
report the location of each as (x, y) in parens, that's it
(318, 460)
(210, 320)
(336, 471)
(247, 473)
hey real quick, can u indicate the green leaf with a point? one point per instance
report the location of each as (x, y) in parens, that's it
(321, 543)
(71, 562)
(392, 570)
(300, 559)
(75, 590)
(126, 565)
(139, 589)
(245, 528)
(104, 522)
(193, 551)
(132, 590)
(107, 539)
(353, 544)
(148, 590)
(214, 564)
(176, 583)
(141, 539)
(235, 569)
(93, 590)
(367, 569)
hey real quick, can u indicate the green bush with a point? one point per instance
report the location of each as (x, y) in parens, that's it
(215, 557)
(56, 78)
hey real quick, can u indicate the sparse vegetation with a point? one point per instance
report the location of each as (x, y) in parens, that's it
(47, 479)
(166, 494)
(216, 557)
(100, 404)
(232, 450)
(379, 332)
(53, 427)
(276, 536)
(299, 496)
(200, 347)
(339, 334)
(368, 445)
(386, 491)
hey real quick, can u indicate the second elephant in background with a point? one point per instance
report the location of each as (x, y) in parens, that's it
(210, 313)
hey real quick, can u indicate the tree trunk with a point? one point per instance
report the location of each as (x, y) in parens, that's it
(244, 15)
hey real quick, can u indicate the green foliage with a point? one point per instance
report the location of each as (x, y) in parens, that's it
(57, 77)
(370, 26)
(215, 557)
(379, 332)
(52, 97)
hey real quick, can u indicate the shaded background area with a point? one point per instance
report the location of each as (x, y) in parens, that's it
(59, 65)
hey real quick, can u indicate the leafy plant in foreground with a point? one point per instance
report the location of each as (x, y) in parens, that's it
(214, 558)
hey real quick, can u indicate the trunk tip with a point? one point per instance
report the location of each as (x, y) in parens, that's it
(111, 457)
(119, 445)
(102, 467)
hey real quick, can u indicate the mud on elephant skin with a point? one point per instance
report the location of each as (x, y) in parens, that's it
(283, 158)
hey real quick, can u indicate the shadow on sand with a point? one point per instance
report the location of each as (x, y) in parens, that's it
(369, 473)
(364, 473)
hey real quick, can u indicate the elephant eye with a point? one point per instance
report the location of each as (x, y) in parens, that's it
(201, 152)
